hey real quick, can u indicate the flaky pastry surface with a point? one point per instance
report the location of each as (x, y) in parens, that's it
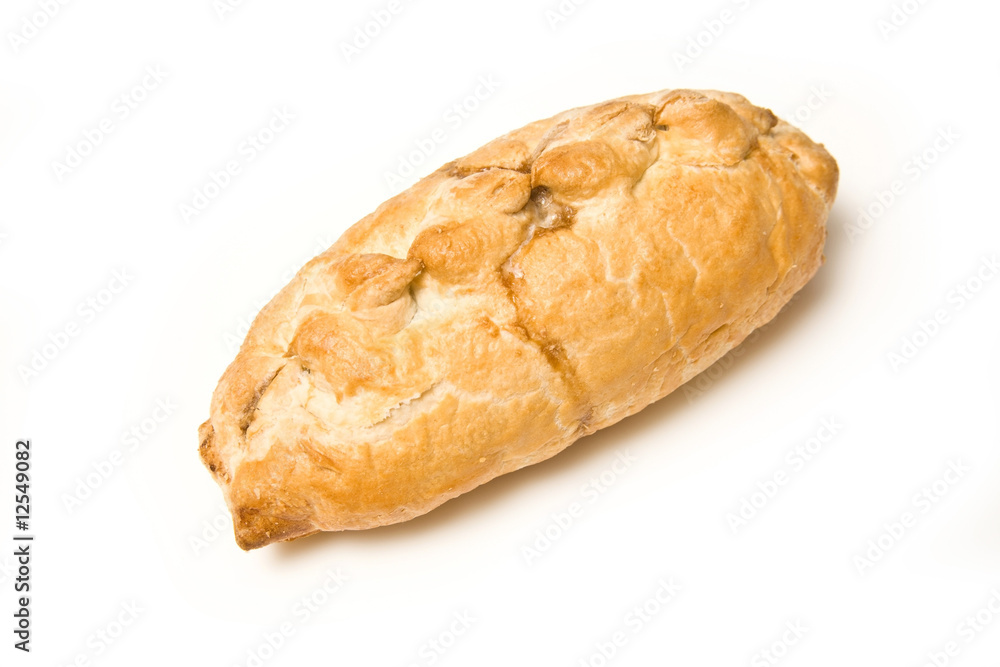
(549, 284)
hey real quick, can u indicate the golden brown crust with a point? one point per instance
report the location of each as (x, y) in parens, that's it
(549, 284)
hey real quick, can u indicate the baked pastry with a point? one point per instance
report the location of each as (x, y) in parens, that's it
(549, 284)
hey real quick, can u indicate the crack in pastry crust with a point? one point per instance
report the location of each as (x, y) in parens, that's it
(548, 284)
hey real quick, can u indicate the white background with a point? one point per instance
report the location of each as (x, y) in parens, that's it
(144, 535)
